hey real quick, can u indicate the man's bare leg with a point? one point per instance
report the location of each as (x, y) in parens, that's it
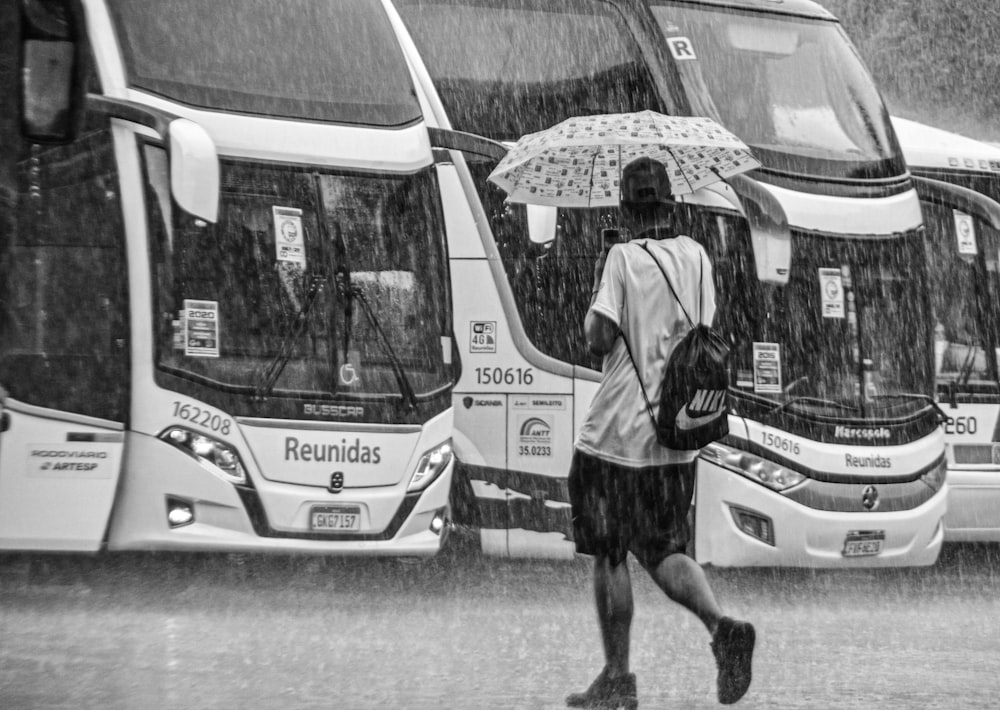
(613, 594)
(684, 581)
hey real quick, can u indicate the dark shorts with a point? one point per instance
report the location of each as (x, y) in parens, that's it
(617, 510)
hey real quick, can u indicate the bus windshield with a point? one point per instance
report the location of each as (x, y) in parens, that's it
(338, 61)
(848, 333)
(504, 69)
(313, 283)
(792, 88)
(965, 288)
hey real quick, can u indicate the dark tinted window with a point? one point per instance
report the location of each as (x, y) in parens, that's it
(315, 59)
(794, 89)
(63, 308)
(504, 68)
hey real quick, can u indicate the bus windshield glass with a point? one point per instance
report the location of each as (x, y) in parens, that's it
(843, 335)
(965, 288)
(504, 69)
(313, 283)
(792, 88)
(338, 62)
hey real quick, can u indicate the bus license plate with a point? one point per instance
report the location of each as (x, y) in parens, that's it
(862, 543)
(335, 518)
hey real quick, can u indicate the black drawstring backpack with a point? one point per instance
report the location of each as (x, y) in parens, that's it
(694, 395)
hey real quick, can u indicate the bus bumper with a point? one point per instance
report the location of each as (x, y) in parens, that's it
(802, 536)
(268, 517)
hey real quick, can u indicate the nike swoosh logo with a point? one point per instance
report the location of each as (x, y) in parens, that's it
(686, 422)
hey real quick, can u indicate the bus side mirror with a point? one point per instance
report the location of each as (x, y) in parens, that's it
(541, 223)
(194, 169)
(769, 231)
(194, 162)
(51, 71)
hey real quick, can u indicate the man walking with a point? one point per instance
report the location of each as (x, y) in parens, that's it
(628, 492)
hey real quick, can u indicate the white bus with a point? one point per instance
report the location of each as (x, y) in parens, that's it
(225, 311)
(959, 180)
(836, 453)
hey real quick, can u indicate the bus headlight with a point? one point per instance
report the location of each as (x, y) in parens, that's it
(221, 459)
(755, 468)
(430, 466)
(935, 476)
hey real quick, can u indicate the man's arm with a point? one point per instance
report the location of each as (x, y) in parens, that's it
(600, 332)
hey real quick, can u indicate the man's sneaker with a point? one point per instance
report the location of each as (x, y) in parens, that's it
(732, 645)
(607, 693)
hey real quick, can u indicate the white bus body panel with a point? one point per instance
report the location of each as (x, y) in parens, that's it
(850, 215)
(286, 489)
(58, 477)
(932, 147)
(974, 488)
(154, 470)
(487, 434)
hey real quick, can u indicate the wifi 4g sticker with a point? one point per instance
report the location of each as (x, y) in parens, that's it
(483, 336)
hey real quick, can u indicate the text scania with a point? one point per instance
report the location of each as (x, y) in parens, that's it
(867, 461)
(343, 452)
(846, 432)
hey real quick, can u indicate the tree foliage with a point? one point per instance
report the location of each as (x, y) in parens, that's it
(934, 60)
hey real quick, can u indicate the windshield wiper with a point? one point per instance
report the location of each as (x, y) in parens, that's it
(800, 400)
(292, 333)
(970, 360)
(405, 388)
(929, 400)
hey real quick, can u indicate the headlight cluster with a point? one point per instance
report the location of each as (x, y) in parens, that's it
(430, 466)
(934, 478)
(755, 468)
(221, 459)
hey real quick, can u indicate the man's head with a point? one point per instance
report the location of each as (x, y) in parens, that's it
(645, 195)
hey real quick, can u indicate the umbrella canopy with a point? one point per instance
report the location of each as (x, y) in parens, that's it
(578, 163)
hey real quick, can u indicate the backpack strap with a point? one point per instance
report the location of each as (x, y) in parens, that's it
(701, 276)
(642, 387)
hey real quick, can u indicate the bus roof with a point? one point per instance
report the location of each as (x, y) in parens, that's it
(928, 147)
(800, 8)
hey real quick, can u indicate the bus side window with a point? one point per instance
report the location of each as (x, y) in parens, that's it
(64, 275)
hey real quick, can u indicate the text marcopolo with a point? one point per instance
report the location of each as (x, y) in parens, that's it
(871, 434)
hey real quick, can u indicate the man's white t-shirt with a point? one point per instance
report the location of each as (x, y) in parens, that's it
(635, 297)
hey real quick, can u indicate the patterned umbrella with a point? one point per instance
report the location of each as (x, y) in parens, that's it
(578, 163)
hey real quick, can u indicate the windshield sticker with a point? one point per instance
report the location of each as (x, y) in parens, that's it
(831, 285)
(965, 232)
(744, 379)
(681, 48)
(289, 240)
(766, 367)
(201, 328)
(482, 338)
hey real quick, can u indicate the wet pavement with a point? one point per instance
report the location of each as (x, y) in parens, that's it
(199, 632)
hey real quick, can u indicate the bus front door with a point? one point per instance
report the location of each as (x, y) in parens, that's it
(64, 347)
